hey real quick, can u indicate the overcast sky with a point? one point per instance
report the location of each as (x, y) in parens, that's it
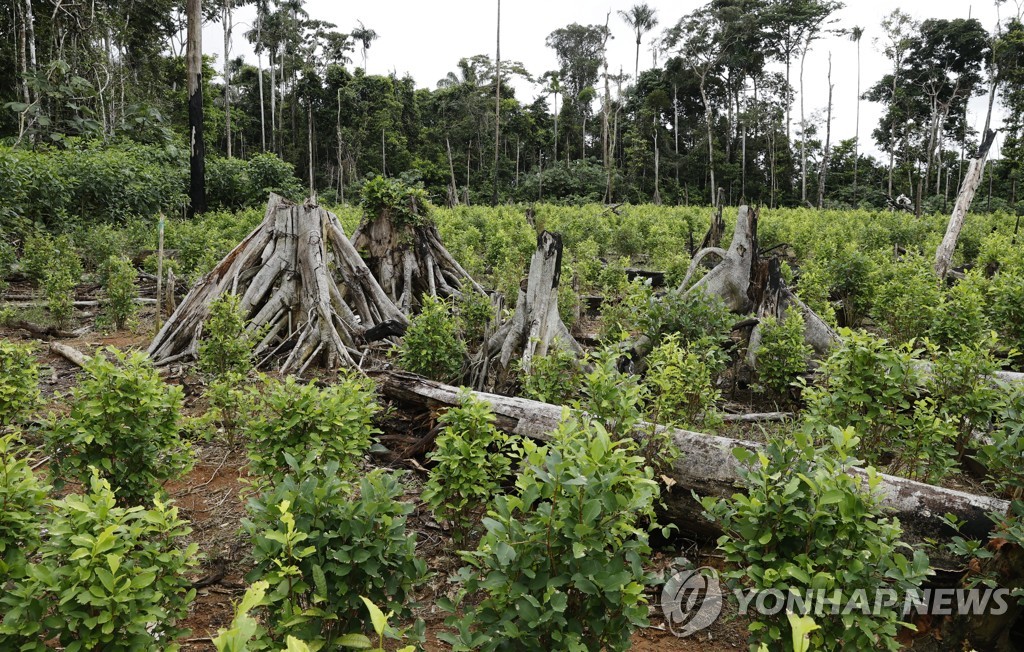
(427, 39)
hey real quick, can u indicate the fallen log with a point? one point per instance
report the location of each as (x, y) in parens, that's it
(708, 467)
(757, 417)
(40, 330)
(73, 356)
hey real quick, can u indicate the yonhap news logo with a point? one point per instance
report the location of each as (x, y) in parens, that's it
(691, 600)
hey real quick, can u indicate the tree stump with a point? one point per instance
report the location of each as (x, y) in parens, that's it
(301, 280)
(403, 249)
(536, 325)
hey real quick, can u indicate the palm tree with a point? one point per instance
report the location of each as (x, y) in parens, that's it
(365, 37)
(855, 35)
(643, 19)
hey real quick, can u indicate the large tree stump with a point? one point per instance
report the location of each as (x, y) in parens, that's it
(403, 249)
(299, 278)
(536, 325)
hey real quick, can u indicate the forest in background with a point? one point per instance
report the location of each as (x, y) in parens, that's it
(105, 76)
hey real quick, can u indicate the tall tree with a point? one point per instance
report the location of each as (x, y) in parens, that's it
(580, 52)
(497, 107)
(899, 30)
(702, 46)
(197, 150)
(788, 23)
(365, 37)
(641, 19)
(856, 33)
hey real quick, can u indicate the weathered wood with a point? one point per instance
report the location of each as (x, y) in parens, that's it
(409, 260)
(757, 417)
(536, 325)
(944, 253)
(73, 356)
(286, 273)
(709, 468)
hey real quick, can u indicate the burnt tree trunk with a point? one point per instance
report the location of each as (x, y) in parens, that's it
(301, 280)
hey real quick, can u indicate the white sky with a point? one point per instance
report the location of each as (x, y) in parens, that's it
(427, 39)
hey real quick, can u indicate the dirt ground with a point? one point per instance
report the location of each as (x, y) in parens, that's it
(212, 497)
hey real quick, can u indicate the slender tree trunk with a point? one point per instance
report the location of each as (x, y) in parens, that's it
(711, 146)
(309, 141)
(556, 127)
(273, 99)
(636, 66)
(823, 173)
(23, 60)
(30, 35)
(453, 191)
(675, 130)
(856, 130)
(197, 157)
(944, 253)
(226, 17)
(803, 129)
(263, 119)
(497, 108)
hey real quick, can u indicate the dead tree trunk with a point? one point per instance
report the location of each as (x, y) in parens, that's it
(536, 325)
(299, 278)
(708, 467)
(409, 260)
(944, 254)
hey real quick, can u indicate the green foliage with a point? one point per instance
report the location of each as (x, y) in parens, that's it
(906, 303)
(23, 498)
(90, 183)
(561, 564)
(7, 258)
(806, 522)
(97, 243)
(961, 384)
(202, 242)
(1006, 307)
(108, 577)
(959, 318)
(471, 463)
(244, 627)
(320, 547)
(334, 423)
(700, 321)
(553, 378)
(43, 254)
(874, 388)
(19, 382)
(119, 287)
(234, 183)
(622, 317)
(1001, 454)
(474, 313)
(782, 355)
(612, 398)
(232, 405)
(124, 422)
(59, 287)
(431, 346)
(404, 205)
(226, 347)
(680, 387)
